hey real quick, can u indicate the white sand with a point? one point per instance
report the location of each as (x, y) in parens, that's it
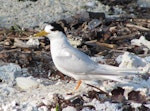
(30, 14)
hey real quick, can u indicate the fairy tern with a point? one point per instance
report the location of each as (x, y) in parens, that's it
(76, 64)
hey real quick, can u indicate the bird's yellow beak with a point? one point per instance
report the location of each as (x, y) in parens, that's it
(42, 33)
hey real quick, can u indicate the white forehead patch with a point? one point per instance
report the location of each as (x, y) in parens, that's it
(48, 28)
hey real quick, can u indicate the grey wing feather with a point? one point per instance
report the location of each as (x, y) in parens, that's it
(77, 62)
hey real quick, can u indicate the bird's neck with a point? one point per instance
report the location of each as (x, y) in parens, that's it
(58, 39)
(58, 43)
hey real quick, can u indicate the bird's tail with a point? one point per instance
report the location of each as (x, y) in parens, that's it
(115, 73)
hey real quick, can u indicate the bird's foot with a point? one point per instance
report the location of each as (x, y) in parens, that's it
(76, 88)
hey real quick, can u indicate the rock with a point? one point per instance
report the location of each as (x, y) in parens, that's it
(26, 83)
(9, 71)
(131, 61)
(142, 41)
(69, 108)
(94, 23)
(33, 42)
(75, 41)
(43, 108)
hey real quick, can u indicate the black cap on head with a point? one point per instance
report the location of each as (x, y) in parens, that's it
(57, 27)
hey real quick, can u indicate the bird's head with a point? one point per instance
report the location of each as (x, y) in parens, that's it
(51, 30)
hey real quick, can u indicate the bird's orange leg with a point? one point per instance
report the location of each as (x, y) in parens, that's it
(78, 85)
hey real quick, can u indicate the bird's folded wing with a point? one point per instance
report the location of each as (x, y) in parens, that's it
(75, 61)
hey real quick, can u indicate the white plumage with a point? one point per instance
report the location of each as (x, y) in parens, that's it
(76, 64)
